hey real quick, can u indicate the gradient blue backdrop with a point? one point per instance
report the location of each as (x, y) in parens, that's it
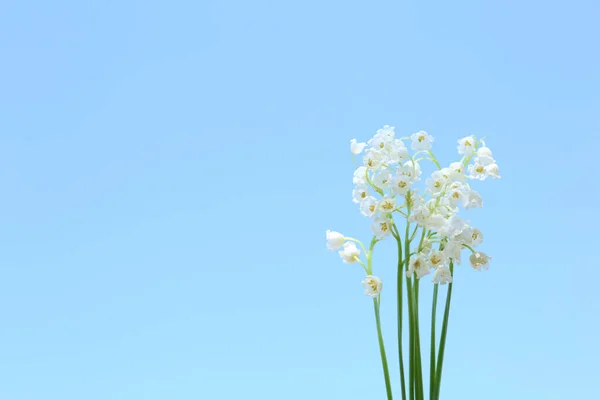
(168, 170)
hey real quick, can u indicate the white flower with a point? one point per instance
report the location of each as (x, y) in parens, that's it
(437, 258)
(381, 227)
(411, 169)
(372, 285)
(474, 200)
(442, 275)
(457, 194)
(382, 180)
(420, 214)
(492, 170)
(373, 158)
(435, 222)
(397, 152)
(466, 145)
(356, 148)
(335, 240)
(436, 183)
(484, 156)
(477, 171)
(400, 184)
(421, 141)
(471, 236)
(387, 204)
(359, 193)
(350, 253)
(418, 265)
(360, 176)
(368, 207)
(480, 260)
(452, 249)
(454, 226)
(382, 138)
(457, 172)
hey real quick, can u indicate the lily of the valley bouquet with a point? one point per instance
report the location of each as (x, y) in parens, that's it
(429, 233)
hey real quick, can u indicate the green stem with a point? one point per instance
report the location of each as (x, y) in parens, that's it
(411, 339)
(419, 371)
(432, 359)
(400, 277)
(440, 362)
(386, 373)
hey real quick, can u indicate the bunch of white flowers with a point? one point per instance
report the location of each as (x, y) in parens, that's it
(385, 190)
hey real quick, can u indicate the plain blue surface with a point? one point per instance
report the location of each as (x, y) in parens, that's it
(168, 171)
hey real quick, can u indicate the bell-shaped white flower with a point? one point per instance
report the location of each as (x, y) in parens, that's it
(437, 183)
(442, 275)
(435, 222)
(477, 171)
(368, 207)
(397, 152)
(480, 260)
(382, 179)
(359, 193)
(418, 265)
(474, 200)
(420, 215)
(360, 176)
(492, 170)
(437, 258)
(457, 193)
(356, 148)
(387, 204)
(382, 138)
(374, 158)
(457, 172)
(372, 285)
(335, 240)
(453, 249)
(466, 145)
(400, 184)
(421, 141)
(484, 156)
(349, 253)
(381, 227)
(454, 226)
(411, 169)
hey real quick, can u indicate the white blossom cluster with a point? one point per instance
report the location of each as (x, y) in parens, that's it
(385, 190)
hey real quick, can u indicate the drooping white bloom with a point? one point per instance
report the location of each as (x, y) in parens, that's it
(335, 240)
(474, 200)
(372, 285)
(457, 193)
(411, 169)
(454, 226)
(471, 236)
(480, 260)
(420, 214)
(493, 171)
(442, 275)
(382, 179)
(360, 193)
(418, 265)
(397, 152)
(437, 183)
(484, 156)
(350, 253)
(381, 227)
(360, 176)
(435, 222)
(373, 158)
(400, 184)
(457, 172)
(387, 204)
(437, 258)
(356, 148)
(477, 171)
(382, 138)
(421, 141)
(368, 207)
(453, 249)
(466, 145)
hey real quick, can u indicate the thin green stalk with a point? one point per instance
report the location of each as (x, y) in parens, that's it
(411, 340)
(440, 362)
(386, 373)
(400, 277)
(419, 371)
(432, 354)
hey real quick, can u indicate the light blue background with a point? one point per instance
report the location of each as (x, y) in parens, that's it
(168, 170)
